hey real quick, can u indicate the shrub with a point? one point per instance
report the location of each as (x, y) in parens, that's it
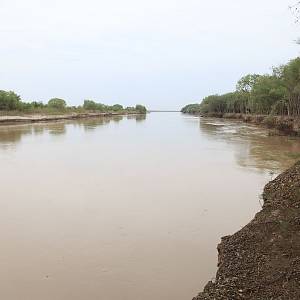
(117, 107)
(9, 101)
(141, 109)
(57, 103)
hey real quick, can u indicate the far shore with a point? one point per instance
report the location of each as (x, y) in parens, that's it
(7, 119)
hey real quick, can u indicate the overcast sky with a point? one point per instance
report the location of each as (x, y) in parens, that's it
(161, 53)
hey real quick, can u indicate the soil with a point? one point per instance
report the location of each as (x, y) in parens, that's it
(262, 260)
(4, 120)
(278, 125)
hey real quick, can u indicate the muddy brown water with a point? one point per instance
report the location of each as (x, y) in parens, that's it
(129, 207)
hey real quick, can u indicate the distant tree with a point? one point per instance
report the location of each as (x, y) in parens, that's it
(266, 91)
(36, 104)
(57, 103)
(191, 109)
(141, 109)
(277, 94)
(246, 83)
(117, 107)
(89, 105)
(279, 108)
(234, 102)
(9, 100)
(216, 104)
(244, 88)
(291, 81)
(130, 108)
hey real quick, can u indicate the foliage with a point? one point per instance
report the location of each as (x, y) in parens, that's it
(117, 107)
(266, 92)
(9, 100)
(276, 94)
(11, 103)
(91, 105)
(141, 109)
(291, 81)
(191, 108)
(130, 109)
(246, 83)
(57, 103)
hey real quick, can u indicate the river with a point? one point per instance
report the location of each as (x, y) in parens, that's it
(127, 208)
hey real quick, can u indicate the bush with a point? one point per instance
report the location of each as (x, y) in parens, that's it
(117, 107)
(141, 109)
(57, 103)
(9, 101)
(130, 108)
(191, 109)
(89, 105)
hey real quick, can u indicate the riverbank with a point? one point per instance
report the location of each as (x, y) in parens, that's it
(278, 125)
(262, 260)
(4, 120)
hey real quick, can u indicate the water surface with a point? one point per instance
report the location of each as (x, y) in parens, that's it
(127, 208)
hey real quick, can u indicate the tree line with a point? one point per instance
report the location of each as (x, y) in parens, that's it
(277, 93)
(11, 102)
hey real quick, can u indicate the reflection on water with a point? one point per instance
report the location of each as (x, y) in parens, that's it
(56, 129)
(92, 123)
(126, 207)
(252, 145)
(9, 136)
(117, 118)
(138, 118)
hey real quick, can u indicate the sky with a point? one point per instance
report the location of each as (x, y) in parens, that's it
(160, 53)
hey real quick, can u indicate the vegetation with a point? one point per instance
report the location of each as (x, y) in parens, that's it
(11, 103)
(140, 108)
(270, 94)
(191, 109)
(57, 103)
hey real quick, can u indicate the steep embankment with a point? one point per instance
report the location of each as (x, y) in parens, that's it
(262, 260)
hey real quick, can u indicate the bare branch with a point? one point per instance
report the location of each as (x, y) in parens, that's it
(295, 9)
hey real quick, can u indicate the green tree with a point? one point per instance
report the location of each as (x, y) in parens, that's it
(266, 91)
(291, 80)
(117, 107)
(130, 108)
(36, 104)
(141, 109)
(9, 100)
(194, 108)
(213, 104)
(244, 87)
(246, 83)
(89, 105)
(57, 103)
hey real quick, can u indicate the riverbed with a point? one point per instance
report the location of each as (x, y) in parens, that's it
(127, 207)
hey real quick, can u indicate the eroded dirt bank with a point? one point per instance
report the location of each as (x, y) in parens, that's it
(262, 260)
(278, 125)
(4, 120)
